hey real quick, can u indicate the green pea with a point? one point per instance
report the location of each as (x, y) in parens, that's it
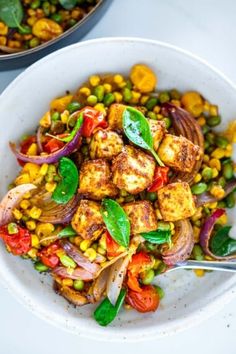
(206, 145)
(199, 188)
(210, 137)
(197, 223)
(72, 22)
(127, 94)
(221, 141)
(152, 115)
(46, 8)
(198, 253)
(164, 97)
(55, 116)
(40, 267)
(205, 129)
(151, 103)
(167, 122)
(35, 4)
(230, 200)
(213, 121)
(129, 84)
(67, 261)
(174, 94)
(34, 42)
(25, 29)
(152, 196)
(99, 92)
(228, 172)
(150, 246)
(207, 173)
(78, 284)
(56, 17)
(221, 204)
(206, 211)
(210, 149)
(161, 268)
(92, 100)
(109, 98)
(85, 150)
(12, 228)
(222, 182)
(73, 106)
(148, 277)
(160, 291)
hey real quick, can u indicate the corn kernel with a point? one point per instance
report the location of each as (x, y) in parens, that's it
(31, 20)
(206, 158)
(196, 233)
(67, 282)
(215, 163)
(60, 253)
(94, 80)
(144, 100)
(44, 229)
(156, 109)
(24, 204)
(85, 91)
(32, 151)
(211, 205)
(218, 153)
(118, 79)
(32, 169)
(222, 220)
(102, 242)
(45, 121)
(33, 252)
(17, 214)
(22, 179)
(101, 251)
(34, 241)
(43, 169)
(118, 97)
(50, 186)
(60, 104)
(176, 103)
(197, 178)
(91, 254)
(206, 106)
(35, 212)
(107, 88)
(229, 147)
(228, 153)
(100, 107)
(199, 272)
(65, 116)
(208, 258)
(85, 244)
(172, 226)
(213, 110)
(77, 240)
(3, 40)
(13, 44)
(215, 172)
(201, 121)
(31, 225)
(27, 195)
(159, 116)
(3, 29)
(217, 191)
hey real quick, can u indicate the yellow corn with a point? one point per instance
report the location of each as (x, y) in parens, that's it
(67, 282)
(215, 172)
(17, 214)
(45, 121)
(197, 178)
(85, 244)
(228, 150)
(208, 258)
(118, 97)
(192, 101)
(31, 225)
(3, 40)
(94, 80)
(122, 84)
(27, 195)
(172, 226)
(32, 151)
(222, 220)
(35, 212)
(91, 254)
(196, 233)
(199, 272)
(43, 169)
(228, 153)
(197, 215)
(217, 191)
(100, 107)
(107, 88)
(101, 251)
(24, 204)
(60, 253)
(44, 229)
(206, 106)
(144, 100)
(206, 158)
(158, 214)
(213, 110)
(218, 153)
(60, 104)
(34, 241)
(31, 20)
(157, 263)
(22, 179)
(3, 29)
(201, 121)
(230, 132)
(77, 240)
(156, 109)
(159, 116)
(32, 169)
(176, 103)
(215, 163)
(102, 242)
(118, 79)
(211, 205)
(33, 252)
(85, 91)
(135, 97)
(50, 186)
(65, 116)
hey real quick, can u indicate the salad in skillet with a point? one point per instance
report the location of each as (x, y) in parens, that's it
(119, 182)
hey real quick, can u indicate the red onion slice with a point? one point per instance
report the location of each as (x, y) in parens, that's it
(39, 138)
(78, 273)
(99, 285)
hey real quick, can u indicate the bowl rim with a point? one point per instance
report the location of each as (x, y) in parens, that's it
(5, 57)
(190, 320)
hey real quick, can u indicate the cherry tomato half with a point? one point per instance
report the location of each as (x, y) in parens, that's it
(48, 255)
(160, 178)
(145, 301)
(92, 119)
(112, 246)
(18, 243)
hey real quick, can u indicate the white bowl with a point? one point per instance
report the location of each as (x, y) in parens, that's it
(188, 299)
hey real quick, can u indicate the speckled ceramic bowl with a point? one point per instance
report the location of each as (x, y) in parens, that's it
(188, 299)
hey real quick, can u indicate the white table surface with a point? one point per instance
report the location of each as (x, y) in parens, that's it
(206, 28)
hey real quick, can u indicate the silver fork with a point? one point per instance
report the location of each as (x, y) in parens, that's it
(224, 266)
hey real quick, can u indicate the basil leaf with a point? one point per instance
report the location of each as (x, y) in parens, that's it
(137, 130)
(11, 12)
(105, 313)
(68, 231)
(158, 236)
(221, 244)
(68, 4)
(116, 221)
(67, 187)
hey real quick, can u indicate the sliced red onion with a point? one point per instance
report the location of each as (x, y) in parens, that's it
(183, 243)
(39, 138)
(77, 273)
(79, 258)
(99, 285)
(208, 198)
(51, 158)
(11, 200)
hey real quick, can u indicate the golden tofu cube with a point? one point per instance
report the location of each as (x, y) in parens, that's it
(87, 220)
(133, 170)
(176, 201)
(158, 129)
(179, 152)
(95, 180)
(115, 115)
(105, 144)
(141, 215)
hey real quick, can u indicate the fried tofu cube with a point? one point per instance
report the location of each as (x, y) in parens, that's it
(176, 201)
(95, 180)
(87, 220)
(133, 170)
(115, 115)
(141, 215)
(179, 152)
(105, 144)
(158, 129)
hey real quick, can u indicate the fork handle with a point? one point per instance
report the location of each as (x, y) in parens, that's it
(224, 266)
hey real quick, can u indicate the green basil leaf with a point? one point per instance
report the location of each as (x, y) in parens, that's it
(68, 231)
(158, 236)
(137, 130)
(67, 187)
(68, 4)
(221, 244)
(116, 221)
(105, 313)
(11, 12)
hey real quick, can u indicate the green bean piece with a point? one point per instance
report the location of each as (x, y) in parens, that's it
(92, 100)
(199, 188)
(207, 173)
(99, 92)
(152, 196)
(167, 122)
(78, 284)
(151, 103)
(148, 277)
(40, 267)
(198, 253)
(160, 291)
(127, 94)
(213, 121)
(164, 97)
(228, 172)
(73, 107)
(230, 200)
(109, 98)
(221, 142)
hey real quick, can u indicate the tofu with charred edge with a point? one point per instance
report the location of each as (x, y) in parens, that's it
(95, 180)
(115, 116)
(141, 215)
(87, 220)
(179, 153)
(176, 201)
(133, 170)
(105, 144)
(158, 130)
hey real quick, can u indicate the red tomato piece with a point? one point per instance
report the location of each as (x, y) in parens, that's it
(92, 119)
(53, 145)
(160, 178)
(144, 301)
(132, 282)
(25, 144)
(138, 262)
(112, 246)
(18, 243)
(48, 255)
